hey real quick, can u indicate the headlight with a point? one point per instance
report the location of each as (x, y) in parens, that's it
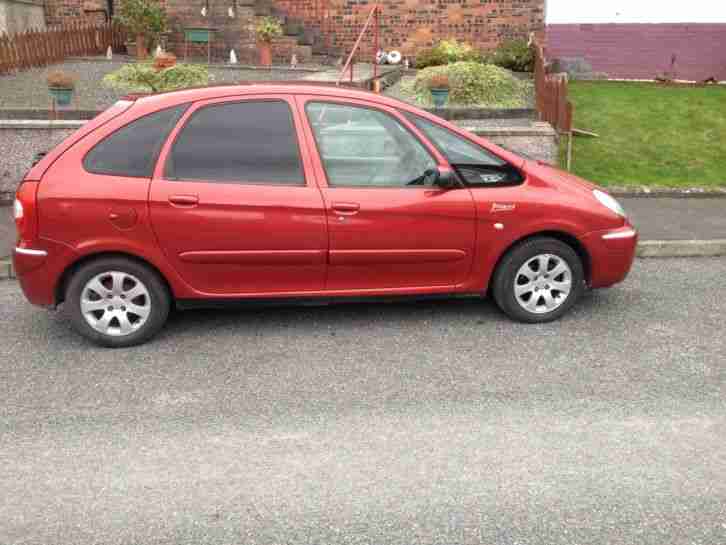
(608, 202)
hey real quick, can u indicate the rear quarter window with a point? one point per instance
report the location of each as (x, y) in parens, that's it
(132, 150)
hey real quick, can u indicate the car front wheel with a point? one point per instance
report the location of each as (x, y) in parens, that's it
(539, 280)
(116, 302)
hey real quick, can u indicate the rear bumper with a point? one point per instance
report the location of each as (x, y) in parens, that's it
(38, 267)
(611, 254)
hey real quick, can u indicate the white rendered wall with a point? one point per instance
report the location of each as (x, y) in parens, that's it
(635, 11)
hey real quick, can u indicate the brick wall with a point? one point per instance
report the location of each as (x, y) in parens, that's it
(409, 25)
(643, 51)
(59, 12)
(406, 25)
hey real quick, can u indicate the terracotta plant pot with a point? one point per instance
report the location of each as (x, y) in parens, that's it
(165, 60)
(141, 51)
(265, 49)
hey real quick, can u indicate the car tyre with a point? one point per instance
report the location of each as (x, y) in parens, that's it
(116, 302)
(538, 280)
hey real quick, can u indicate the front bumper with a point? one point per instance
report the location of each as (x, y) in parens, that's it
(611, 254)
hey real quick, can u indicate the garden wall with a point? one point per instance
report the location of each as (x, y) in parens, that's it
(643, 51)
(415, 24)
(20, 140)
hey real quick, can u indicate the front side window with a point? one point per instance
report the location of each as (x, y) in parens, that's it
(133, 149)
(365, 147)
(474, 164)
(241, 142)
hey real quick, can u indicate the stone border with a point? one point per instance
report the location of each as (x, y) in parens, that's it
(681, 248)
(42, 123)
(45, 115)
(668, 192)
(454, 114)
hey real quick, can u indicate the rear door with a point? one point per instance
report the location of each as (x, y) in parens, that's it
(389, 229)
(233, 203)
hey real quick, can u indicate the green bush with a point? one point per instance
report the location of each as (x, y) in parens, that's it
(515, 55)
(471, 83)
(145, 17)
(145, 78)
(268, 29)
(447, 52)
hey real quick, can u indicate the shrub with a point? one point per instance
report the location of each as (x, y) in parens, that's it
(447, 52)
(268, 29)
(60, 80)
(471, 83)
(145, 77)
(515, 55)
(143, 17)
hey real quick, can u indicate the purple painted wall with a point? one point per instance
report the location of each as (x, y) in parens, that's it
(643, 51)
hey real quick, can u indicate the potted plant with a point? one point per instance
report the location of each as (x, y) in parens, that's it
(60, 86)
(267, 30)
(439, 88)
(164, 60)
(144, 19)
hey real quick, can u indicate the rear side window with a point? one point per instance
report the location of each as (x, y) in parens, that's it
(133, 149)
(241, 142)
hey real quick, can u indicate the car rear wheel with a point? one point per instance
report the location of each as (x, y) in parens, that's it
(116, 302)
(539, 280)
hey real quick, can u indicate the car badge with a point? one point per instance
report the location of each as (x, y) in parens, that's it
(500, 207)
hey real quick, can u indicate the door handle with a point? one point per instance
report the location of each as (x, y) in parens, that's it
(345, 208)
(184, 200)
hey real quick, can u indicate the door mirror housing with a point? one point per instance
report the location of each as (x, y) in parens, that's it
(444, 178)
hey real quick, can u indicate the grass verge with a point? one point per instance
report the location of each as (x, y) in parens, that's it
(650, 134)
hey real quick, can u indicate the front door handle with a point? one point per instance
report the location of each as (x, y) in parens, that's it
(184, 200)
(345, 208)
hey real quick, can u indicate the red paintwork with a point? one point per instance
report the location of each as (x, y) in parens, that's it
(230, 241)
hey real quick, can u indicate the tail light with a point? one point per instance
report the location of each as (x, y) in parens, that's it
(25, 211)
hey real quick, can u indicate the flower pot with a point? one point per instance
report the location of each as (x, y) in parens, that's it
(141, 51)
(265, 49)
(62, 96)
(440, 97)
(165, 60)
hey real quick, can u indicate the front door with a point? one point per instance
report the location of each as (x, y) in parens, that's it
(232, 202)
(388, 228)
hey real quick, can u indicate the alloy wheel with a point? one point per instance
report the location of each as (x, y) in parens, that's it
(543, 283)
(115, 303)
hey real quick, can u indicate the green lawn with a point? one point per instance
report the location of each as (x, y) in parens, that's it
(650, 134)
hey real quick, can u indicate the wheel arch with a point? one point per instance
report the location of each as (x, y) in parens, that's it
(62, 284)
(567, 238)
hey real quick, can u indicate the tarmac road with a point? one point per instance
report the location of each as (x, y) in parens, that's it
(421, 423)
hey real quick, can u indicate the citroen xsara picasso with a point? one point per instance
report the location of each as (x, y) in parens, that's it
(296, 192)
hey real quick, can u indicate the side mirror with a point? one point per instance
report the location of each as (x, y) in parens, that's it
(445, 179)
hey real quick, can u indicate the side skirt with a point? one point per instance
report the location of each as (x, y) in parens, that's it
(187, 304)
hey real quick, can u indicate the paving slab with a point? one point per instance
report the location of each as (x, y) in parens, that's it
(678, 219)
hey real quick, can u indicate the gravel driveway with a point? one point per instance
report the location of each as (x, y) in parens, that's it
(28, 89)
(374, 424)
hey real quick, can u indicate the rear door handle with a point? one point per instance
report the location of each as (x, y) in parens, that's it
(184, 200)
(345, 208)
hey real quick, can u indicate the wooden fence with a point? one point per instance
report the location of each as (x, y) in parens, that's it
(43, 47)
(552, 100)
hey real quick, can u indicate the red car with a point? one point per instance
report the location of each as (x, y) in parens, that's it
(295, 192)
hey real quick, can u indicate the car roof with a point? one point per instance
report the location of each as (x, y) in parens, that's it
(302, 87)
